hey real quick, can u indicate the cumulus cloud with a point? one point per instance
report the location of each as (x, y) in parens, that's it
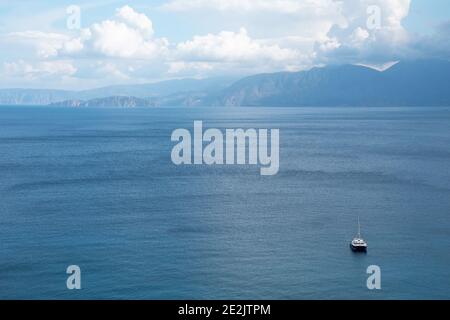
(232, 46)
(128, 35)
(117, 39)
(259, 36)
(371, 31)
(136, 20)
(309, 19)
(328, 30)
(233, 51)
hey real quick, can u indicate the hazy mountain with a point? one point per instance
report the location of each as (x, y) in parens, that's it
(33, 96)
(417, 83)
(185, 88)
(162, 89)
(115, 101)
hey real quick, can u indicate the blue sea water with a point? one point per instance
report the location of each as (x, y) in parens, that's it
(97, 188)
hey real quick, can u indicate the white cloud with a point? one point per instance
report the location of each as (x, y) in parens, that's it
(265, 36)
(285, 33)
(46, 44)
(232, 47)
(117, 39)
(40, 70)
(128, 35)
(359, 35)
(328, 29)
(360, 40)
(136, 20)
(227, 52)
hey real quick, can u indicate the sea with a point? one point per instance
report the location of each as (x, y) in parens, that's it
(96, 188)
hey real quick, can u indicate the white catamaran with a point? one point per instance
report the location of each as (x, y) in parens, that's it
(358, 244)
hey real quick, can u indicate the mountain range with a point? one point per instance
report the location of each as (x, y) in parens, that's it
(171, 90)
(407, 83)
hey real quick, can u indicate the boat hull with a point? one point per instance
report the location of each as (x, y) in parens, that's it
(358, 248)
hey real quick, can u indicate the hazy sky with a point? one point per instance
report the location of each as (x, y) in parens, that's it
(44, 46)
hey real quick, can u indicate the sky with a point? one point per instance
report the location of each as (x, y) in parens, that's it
(85, 44)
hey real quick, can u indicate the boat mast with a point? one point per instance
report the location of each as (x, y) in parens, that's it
(359, 229)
